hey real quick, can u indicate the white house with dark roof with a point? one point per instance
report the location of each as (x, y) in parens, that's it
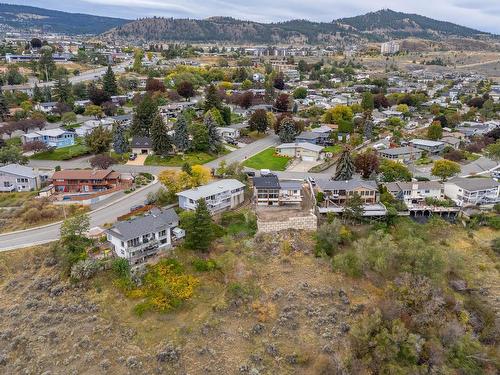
(222, 195)
(141, 145)
(143, 237)
(472, 191)
(15, 177)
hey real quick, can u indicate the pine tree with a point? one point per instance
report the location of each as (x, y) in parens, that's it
(62, 89)
(181, 136)
(162, 144)
(47, 94)
(120, 141)
(109, 82)
(212, 99)
(214, 138)
(288, 131)
(144, 114)
(199, 232)
(4, 108)
(368, 124)
(37, 94)
(345, 166)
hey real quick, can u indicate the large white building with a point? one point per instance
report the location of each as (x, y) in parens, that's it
(220, 196)
(389, 48)
(472, 191)
(143, 237)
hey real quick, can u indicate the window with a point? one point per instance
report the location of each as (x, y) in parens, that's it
(123, 244)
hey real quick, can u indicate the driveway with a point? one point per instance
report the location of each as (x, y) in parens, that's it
(139, 160)
(302, 166)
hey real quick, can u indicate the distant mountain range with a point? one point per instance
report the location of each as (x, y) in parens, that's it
(375, 26)
(20, 17)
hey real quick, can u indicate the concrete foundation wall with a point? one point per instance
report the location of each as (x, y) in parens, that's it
(309, 222)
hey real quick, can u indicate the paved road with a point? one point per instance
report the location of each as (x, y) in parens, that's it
(89, 75)
(247, 151)
(102, 215)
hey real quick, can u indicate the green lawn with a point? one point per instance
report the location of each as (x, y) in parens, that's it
(64, 153)
(335, 149)
(191, 158)
(267, 160)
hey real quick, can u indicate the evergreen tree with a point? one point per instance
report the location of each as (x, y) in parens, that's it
(288, 131)
(109, 82)
(199, 232)
(368, 124)
(214, 138)
(4, 108)
(37, 94)
(162, 144)
(46, 64)
(47, 94)
(200, 137)
(144, 114)
(181, 136)
(62, 89)
(345, 166)
(120, 141)
(367, 102)
(226, 115)
(212, 99)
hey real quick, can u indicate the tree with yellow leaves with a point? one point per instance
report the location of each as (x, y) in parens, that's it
(176, 181)
(200, 175)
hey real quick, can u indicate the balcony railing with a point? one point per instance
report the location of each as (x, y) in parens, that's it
(144, 246)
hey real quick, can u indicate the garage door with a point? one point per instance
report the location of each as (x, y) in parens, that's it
(307, 158)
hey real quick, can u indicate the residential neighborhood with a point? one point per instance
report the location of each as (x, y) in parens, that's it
(249, 189)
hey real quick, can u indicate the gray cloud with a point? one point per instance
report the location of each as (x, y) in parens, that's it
(480, 14)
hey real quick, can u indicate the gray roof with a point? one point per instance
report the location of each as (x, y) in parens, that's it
(303, 145)
(141, 142)
(425, 142)
(403, 185)
(266, 182)
(325, 184)
(154, 221)
(473, 184)
(211, 189)
(290, 185)
(309, 135)
(18, 170)
(400, 151)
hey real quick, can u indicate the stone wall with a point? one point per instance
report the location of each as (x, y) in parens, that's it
(309, 222)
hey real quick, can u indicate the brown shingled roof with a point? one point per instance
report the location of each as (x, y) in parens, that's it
(81, 174)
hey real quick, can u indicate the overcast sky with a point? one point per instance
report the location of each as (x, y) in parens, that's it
(480, 14)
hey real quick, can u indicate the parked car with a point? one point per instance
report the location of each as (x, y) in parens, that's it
(231, 141)
(312, 181)
(250, 173)
(132, 157)
(135, 208)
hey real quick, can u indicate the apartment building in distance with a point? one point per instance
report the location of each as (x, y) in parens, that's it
(389, 48)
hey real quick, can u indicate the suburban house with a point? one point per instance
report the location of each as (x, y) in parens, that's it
(46, 107)
(316, 138)
(142, 145)
(85, 180)
(226, 133)
(15, 177)
(51, 137)
(432, 147)
(143, 237)
(304, 151)
(415, 192)
(335, 195)
(220, 196)
(451, 141)
(472, 191)
(270, 191)
(402, 154)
